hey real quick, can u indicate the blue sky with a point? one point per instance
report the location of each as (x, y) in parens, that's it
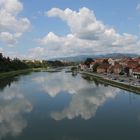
(44, 36)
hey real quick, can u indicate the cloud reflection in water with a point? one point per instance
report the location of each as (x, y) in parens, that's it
(85, 103)
(12, 105)
(86, 97)
(54, 83)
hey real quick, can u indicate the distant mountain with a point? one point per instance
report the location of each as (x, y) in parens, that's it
(121, 55)
(75, 58)
(84, 57)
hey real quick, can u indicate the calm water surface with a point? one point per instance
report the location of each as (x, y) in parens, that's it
(59, 106)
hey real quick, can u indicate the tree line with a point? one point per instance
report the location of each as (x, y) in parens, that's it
(7, 64)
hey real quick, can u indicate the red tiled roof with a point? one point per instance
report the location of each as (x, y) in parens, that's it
(103, 66)
(137, 70)
(116, 66)
(132, 64)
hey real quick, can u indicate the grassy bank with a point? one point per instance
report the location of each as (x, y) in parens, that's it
(114, 83)
(18, 72)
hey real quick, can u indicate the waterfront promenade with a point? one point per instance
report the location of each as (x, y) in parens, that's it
(123, 84)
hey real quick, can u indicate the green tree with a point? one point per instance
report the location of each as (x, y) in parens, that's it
(126, 70)
(88, 62)
(95, 67)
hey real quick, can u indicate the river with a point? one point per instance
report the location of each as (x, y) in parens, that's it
(59, 106)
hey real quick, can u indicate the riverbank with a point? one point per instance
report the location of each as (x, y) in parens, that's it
(113, 83)
(4, 75)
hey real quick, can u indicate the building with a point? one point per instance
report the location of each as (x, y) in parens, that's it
(91, 65)
(102, 68)
(82, 67)
(100, 60)
(124, 62)
(117, 68)
(136, 72)
(111, 61)
(137, 60)
(110, 69)
(132, 64)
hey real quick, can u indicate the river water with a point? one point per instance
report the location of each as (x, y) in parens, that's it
(59, 106)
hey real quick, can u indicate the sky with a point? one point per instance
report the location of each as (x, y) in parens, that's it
(46, 29)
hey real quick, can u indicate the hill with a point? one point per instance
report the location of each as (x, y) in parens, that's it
(84, 57)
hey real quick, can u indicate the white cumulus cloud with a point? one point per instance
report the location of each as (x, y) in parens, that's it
(12, 25)
(8, 37)
(83, 24)
(87, 35)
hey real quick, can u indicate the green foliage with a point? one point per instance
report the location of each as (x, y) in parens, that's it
(121, 73)
(95, 67)
(88, 61)
(105, 61)
(55, 63)
(73, 68)
(33, 64)
(6, 64)
(126, 70)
